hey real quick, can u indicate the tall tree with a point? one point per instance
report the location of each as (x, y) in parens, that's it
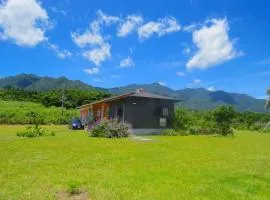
(267, 105)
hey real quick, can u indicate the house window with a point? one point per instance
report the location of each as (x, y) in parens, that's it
(165, 112)
(162, 122)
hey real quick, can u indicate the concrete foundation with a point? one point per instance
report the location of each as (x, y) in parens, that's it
(146, 131)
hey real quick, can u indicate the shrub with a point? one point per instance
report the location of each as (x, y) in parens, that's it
(36, 131)
(223, 117)
(206, 131)
(110, 129)
(169, 132)
(172, 132)
(181, 119)
(193, 131)
(73, 187)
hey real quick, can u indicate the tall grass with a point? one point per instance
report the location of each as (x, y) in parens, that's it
(15, 112)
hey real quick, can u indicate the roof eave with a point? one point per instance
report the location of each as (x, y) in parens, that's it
(107, 100)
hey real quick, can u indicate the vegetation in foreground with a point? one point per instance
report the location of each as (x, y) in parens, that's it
(35, 131)
(110, 129)
(201, 167)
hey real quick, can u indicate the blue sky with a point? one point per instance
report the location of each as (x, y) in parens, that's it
(219, 45)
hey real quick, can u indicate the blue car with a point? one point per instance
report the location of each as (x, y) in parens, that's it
(76, 124)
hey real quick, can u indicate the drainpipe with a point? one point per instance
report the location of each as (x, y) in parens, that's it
(123, 113)
(115, 116)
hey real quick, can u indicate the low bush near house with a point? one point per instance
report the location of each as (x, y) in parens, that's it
(193, 131)
(110, 129)
(206, 131)
(169, 132)
(36, 131)
(181, 120)
(219, 121)
(172, 132)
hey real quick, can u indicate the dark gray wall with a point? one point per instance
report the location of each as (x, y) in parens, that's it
(143, 112)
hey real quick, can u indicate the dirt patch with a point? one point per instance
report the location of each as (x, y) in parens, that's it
(79, 195)
(138, 138)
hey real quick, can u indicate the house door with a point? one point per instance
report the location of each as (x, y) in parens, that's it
(163, 122)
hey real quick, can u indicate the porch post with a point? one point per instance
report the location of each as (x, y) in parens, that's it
(102, 111)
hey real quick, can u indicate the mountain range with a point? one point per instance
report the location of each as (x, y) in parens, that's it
(37, 83)
(195, 98)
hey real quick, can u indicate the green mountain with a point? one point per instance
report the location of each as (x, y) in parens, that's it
(200, 98)
(196, 98)
(37, 83)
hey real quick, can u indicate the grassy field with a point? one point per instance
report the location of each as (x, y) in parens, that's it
(182, 167)
(19, 112)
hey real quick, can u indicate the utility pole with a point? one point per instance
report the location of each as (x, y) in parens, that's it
(63, 98)
(267, 106)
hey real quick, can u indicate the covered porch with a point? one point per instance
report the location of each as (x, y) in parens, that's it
(95, 112)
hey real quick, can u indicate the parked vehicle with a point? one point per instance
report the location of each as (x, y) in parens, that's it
(76, 123)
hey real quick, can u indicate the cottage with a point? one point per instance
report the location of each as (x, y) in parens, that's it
(144, 111)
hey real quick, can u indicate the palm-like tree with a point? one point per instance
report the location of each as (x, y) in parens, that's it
(267, 104)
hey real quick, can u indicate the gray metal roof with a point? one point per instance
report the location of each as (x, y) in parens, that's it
(151, 95)
(137, 93)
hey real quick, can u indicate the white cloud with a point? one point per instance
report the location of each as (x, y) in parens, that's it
(23, 21)
(56, 10)
(127, 62)
(211, 89)
(95, 46)
(60, 53)
(131, 23)
(191, 27)
(262, 97)
(87, 38)
(107, 19)
(197, 81)
(98, 54)
(162, 83)
(214, 45)
(180, 74)
(186, 50)
(95, 26)
(132, 49)
(94, 70)
(160, 27)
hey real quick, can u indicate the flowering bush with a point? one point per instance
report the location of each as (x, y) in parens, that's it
(110, 129)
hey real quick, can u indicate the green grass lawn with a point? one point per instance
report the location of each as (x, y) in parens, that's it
(181, 167)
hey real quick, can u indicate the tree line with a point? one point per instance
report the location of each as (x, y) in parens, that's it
(72, 98)
(222, 119)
